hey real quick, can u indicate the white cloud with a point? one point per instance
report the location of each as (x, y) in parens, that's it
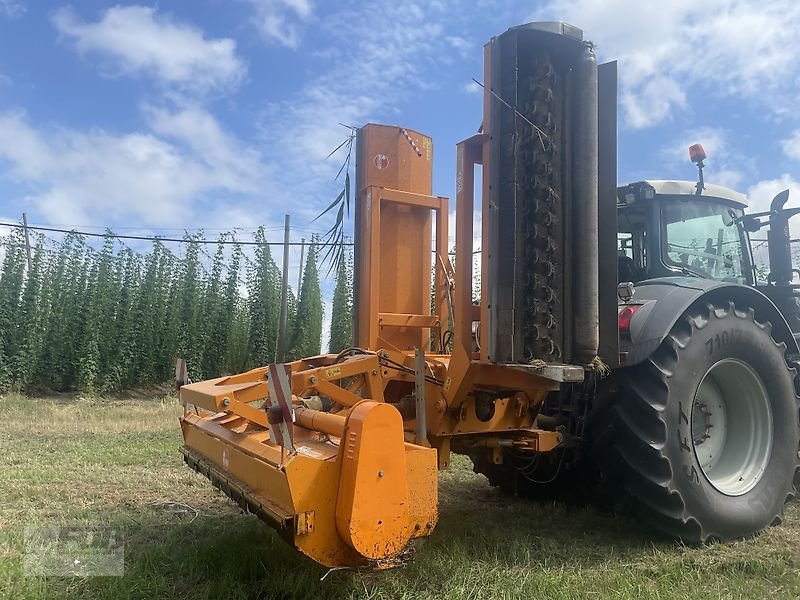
(665, 49)
(12, 8)
(279, 21)
(97, 176)
(472, 88)
(237, 166)
(137, 40)
(791, 145)
(761, 194)
(652, 102)
(461, 45)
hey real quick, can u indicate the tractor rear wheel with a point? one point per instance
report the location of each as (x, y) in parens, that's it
(702, 438)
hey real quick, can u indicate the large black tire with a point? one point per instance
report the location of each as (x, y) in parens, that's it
(648, 438)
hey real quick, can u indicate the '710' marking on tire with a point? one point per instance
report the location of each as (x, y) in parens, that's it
(719, 340)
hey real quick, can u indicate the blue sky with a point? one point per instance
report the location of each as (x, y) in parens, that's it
(219, 113)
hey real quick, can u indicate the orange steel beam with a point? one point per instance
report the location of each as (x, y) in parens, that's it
(374, 271)
(485, 197)
(393, 241)
(394, 287)
(468, 154)
(332, 424)
(442, 267)
(403, 320)
(220, 394)
(397, 220)
(411, 199)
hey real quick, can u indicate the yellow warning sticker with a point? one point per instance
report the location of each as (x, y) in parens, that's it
(447, 383)
(428, 147)
(333, 372)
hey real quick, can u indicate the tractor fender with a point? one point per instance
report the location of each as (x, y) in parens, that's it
(662, 301)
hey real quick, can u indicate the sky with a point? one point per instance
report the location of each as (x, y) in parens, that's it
(215, 114)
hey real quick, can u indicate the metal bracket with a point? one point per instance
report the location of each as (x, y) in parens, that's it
(554, 372)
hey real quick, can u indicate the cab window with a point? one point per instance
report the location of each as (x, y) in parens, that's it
(631, 243)
(700, 237)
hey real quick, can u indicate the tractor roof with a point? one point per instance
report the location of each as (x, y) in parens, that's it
(688, 188)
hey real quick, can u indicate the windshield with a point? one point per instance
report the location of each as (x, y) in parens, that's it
(700, 238)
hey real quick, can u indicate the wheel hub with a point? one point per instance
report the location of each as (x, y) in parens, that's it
(701, 423)
(731, 425)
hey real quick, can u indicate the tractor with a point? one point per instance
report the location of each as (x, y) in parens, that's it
(622, 345)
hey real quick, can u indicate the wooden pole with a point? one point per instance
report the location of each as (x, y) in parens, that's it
(281, 354)
(300, 270)
(27, 240)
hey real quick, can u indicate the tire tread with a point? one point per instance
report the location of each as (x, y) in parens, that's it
(628, 433)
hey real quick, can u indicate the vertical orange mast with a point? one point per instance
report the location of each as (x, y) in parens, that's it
(394, 243)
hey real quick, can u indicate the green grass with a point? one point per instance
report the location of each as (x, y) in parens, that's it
(116, 463)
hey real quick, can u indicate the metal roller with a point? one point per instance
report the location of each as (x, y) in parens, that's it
(585, 308)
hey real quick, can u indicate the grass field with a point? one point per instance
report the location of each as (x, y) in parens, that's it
(116, 463)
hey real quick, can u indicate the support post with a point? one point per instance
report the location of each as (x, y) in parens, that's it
(585, 262)
(421, 416)
(300, 270)
(281, 354)
(468, 154)
(27, 240)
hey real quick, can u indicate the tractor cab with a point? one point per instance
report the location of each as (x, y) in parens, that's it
(665, 228)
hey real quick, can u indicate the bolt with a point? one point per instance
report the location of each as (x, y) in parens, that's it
(380, 473)
(374, 371)
(226, 401)
(313, 380)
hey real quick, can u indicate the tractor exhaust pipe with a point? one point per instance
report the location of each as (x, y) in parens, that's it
(779, 242)
(585, 284)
